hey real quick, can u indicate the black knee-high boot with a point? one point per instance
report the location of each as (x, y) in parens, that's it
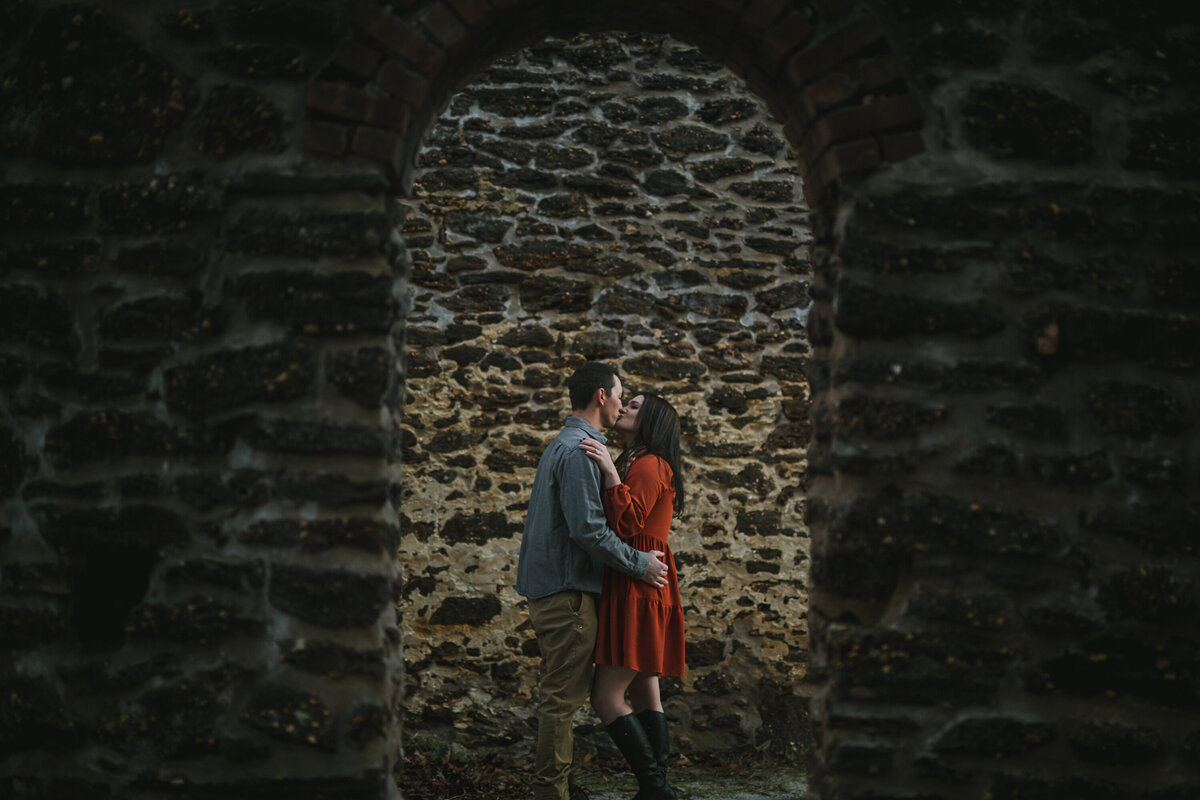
(654, 723)
(627, 734)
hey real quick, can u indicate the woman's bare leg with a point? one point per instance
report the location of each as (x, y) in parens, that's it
(608, 692)
(643, 693)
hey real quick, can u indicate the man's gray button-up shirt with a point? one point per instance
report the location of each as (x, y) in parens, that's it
(567, 541)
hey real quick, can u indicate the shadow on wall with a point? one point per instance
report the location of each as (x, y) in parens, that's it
(616, 197)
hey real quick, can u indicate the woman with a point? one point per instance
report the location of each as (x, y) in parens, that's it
(640, 627)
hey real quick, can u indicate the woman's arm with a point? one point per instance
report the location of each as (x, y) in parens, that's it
(599, 453)
(628, 504)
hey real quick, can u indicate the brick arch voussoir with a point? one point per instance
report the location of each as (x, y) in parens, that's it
(826, 68)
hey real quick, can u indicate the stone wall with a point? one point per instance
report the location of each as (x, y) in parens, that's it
(199, 317)
(195, 340)
(617, 197)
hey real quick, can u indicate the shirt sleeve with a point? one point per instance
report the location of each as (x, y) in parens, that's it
(630, 502)
(579, 492)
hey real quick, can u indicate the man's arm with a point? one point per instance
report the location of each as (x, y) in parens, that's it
(579, 495)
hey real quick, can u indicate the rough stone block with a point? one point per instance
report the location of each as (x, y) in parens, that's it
(85, 92)
(331, 660)
(1105, 335)
(1009, 120)
(29, 315)
(310, 234)
(68, 527)
(165, 204)
(928, 523)
(27, 627)
(479, 528)
(111, 434)
(236, 120)
(291, 716)
(33, 716)
(1041, 422)
(261, 61)
(1119, 666)
(666, 369)
(362, 375)
(357, 533)
(232, 378)
(292, 436)
(307, 21)
(338, 303)
(181, 318)
(687, 139)
(865, 311)
(954, 605)
(1149, 594)
(163, 257)
(859, 417)
(240, 576)
(993, 736)
(37, 207)
(329, 598)
(334, 490)
(1110, 742)
(1136, 410)
(542, 294)
(470, 611)
(919, 668)
(200, 620)
(1165, 143)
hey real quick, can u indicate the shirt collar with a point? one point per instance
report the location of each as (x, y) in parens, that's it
(575, 422)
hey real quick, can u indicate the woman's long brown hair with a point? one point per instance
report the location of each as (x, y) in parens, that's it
(657, 433)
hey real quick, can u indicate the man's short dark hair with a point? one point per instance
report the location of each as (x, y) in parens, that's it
(587, 379)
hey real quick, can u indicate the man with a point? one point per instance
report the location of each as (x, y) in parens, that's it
(564, 549)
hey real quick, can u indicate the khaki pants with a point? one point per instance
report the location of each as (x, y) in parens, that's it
(565, 624)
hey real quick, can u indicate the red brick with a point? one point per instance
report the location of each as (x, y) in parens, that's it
(378, 145)
(839, 46)
(388, 113)
(740, 60)
(792, 132)
(402, 82)
(325, 137)
(814, 191)
(788, 35)
(761, 15)
(880, 71)
(853, 123)
(357, 59)
(722, 15)
(397, 37)
(847, 158)
(444, 25)
(338, 100)
(830, 10)
(472, 12)
(833, 90)
(900, 146)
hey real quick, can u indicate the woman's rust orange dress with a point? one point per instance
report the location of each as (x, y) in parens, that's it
(641, 627)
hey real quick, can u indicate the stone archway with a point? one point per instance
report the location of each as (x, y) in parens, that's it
(195, 344)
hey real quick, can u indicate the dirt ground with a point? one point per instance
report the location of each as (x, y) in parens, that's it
(436, 775)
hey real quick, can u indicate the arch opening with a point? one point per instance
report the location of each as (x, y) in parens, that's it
(616, 196)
